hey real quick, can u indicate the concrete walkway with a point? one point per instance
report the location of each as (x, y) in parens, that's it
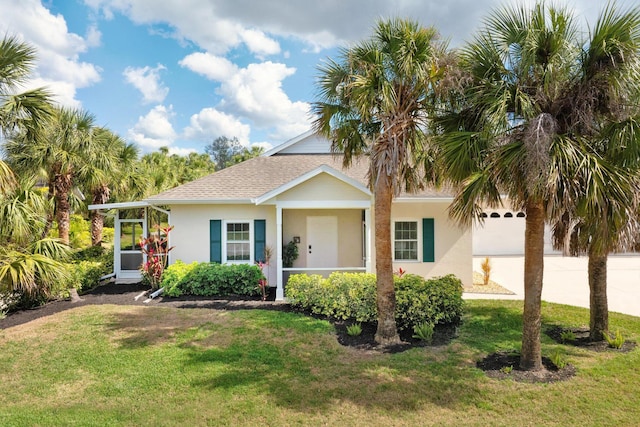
(565, 280)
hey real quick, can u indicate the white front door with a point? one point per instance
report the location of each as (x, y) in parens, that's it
(322, 241)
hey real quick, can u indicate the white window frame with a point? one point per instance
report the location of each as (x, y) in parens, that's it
(417, 240)
(224, 241)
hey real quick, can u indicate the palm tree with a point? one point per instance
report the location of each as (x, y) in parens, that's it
(528, 100)
(61, 153)
(375, 101)
(27, 266)
(24, 112)
(606, 102)
(110, 172)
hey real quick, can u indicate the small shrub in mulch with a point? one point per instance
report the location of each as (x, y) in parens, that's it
(506, 365)
(443, 334)
(582, 340)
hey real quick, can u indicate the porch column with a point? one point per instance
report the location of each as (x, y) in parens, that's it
(116, 244)
(279, 281)
(367, 237)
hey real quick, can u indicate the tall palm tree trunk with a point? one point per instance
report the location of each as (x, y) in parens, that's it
(598, 305)
(387, 332)
(62, 185)
(531, 356)
(100, 197)
(50, 212)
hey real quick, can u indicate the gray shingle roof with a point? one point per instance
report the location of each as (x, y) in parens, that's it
(255, 177)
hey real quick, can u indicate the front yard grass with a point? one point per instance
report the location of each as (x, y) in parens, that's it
(132, 365)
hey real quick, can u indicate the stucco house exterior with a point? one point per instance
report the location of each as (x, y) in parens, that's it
(298, 192)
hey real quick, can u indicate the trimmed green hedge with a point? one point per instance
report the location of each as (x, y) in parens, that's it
(353, 296)
(209, 279)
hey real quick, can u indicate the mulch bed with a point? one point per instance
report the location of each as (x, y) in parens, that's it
(506, 365)
(443, 334)
(583, 341)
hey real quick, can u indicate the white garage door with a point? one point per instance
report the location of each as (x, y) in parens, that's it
(503, 234)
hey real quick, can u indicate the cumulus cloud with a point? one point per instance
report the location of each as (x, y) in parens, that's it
(154, 130)
(181, 151)
(210, 123)
(256, 92)
(213, 67)
(58, 50)
(147, 81)
(259, 43)
(200, 22)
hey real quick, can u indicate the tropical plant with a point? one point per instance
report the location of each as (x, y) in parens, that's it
(354, 330)
(289, 254)
(61, 154)
(614, 341)
(375, 101)
(606, 110)
(20, 112)
(116, 172)
(156, 249)
(424, 331)
(519, 107)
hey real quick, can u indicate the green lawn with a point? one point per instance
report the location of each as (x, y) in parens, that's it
(118, 365)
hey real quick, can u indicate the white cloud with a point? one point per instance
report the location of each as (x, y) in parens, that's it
(182, 151)
(259, 43)
(211, 66)
(154, 130)
(210, 123)
(256, 92)
(198, 21)
(58, 50)
(147, 81)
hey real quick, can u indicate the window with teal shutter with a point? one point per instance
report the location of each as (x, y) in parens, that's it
(428, 240)
(259, 239)
(215, 241)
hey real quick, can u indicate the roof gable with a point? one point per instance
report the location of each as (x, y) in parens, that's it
(309, 142)
(323, 170)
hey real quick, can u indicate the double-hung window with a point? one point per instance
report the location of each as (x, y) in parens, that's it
(405, 241)
(237, 241)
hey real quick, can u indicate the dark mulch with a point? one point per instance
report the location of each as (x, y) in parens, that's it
(506, 365)
(583, 341)
(443, 334)
(108, 293)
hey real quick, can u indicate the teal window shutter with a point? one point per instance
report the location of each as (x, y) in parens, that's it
(428, 240)
(259, 239)
(215, 240)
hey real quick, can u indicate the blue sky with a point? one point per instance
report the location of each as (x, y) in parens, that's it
(179, 73)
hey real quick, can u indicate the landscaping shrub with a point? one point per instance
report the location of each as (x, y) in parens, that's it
(353, 296)
(173, 277)
(208, 279)
(435, 301)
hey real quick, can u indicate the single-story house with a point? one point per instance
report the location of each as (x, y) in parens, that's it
(297, 192)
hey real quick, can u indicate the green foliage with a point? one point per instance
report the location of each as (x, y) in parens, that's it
(173, 277)
(342, 295)
(423, 331)
(506, 369)
(436, 301)
(567, 336)
(353, 296)
(354, 330)
(289, 254)
(84, 275)
(558, 359)
(79, 235)
(616, 341)
(208, 279)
